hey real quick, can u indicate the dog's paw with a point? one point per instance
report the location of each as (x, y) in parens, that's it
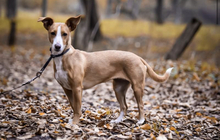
(72, 124)
(119, 119)
(141, 121)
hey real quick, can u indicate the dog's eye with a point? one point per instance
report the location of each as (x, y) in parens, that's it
(64, 34)
(53, 33)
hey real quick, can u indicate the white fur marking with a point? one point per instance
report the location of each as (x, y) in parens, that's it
(61, 75)
(141, 121)
(119, 119)
(58, 39)
(169, 70)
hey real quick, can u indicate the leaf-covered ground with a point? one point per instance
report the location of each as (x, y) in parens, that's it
(187, 106)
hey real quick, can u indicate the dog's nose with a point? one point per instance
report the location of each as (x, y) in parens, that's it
(57, 46)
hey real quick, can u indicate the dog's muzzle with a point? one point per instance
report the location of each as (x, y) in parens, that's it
(57, 47)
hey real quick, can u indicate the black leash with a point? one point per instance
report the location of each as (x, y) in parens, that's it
(38, 74)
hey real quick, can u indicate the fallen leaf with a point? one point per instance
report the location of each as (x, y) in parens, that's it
(198, 114)
(161, 137)
(108, 126)
(152, 136)
(195, 75)
(41, 113)
(172, 128)
(119, 137)
(145, 127)
(28, 111)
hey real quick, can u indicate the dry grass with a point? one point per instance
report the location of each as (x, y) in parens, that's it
(207, 38)
(133, 28)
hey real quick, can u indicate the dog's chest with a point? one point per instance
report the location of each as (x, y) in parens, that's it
(61, 75)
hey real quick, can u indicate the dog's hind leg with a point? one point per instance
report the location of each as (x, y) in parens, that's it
(138, 93)
(120, 87)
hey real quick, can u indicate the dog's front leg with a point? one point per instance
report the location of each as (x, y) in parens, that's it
(74, 97)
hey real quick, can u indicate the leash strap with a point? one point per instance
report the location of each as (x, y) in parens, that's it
(38, 74)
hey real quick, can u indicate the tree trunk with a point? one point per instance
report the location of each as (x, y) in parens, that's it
(89, 29)
(136, 8)
(11, 12)
(178, 9)
(11, 9)
(217, 11)
(44, 8)
(159, 12)
(12, 33)
(1, 3)
(132, 7)
(108, 11)
(184, 40)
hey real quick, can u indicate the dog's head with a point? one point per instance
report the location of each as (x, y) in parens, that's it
(59, 33)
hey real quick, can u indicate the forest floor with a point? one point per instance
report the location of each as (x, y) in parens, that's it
(187, 106)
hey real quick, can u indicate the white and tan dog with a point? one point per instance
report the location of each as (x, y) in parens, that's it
(77, 70)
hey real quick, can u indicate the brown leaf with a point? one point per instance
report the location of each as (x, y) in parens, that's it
(195, 76)
(41, 113)
(198, 129)
(145, 127)
(101, 123)
(29, 111)
(152, 136)
(108, 126)
(198, 114)
(63, 125)
(172, 128)
(4, 81)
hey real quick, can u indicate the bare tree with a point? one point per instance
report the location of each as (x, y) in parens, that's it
(116, 7)
(11, 9)
(89, 29)
(178, 8)
(136, 7)
(1, 3)
(184, 39)
(159, 12)
(109, 8)
(11, 12)
(44, 8)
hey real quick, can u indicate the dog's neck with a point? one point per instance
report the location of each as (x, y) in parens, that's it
(69, 45)
(69, 40)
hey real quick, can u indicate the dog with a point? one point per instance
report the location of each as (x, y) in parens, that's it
(77, 70)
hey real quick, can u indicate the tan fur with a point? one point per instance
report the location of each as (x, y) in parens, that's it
(87, 69)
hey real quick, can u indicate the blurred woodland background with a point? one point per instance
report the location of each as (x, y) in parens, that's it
(145, 27)
(184, 34)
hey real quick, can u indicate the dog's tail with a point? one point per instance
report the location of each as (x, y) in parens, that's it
(156, 77)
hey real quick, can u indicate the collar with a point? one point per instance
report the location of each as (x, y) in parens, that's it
(58, 55)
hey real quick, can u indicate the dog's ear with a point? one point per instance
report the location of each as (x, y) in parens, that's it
(73, 22)
(47, 21)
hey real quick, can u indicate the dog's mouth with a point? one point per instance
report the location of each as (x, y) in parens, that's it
(57, 50)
